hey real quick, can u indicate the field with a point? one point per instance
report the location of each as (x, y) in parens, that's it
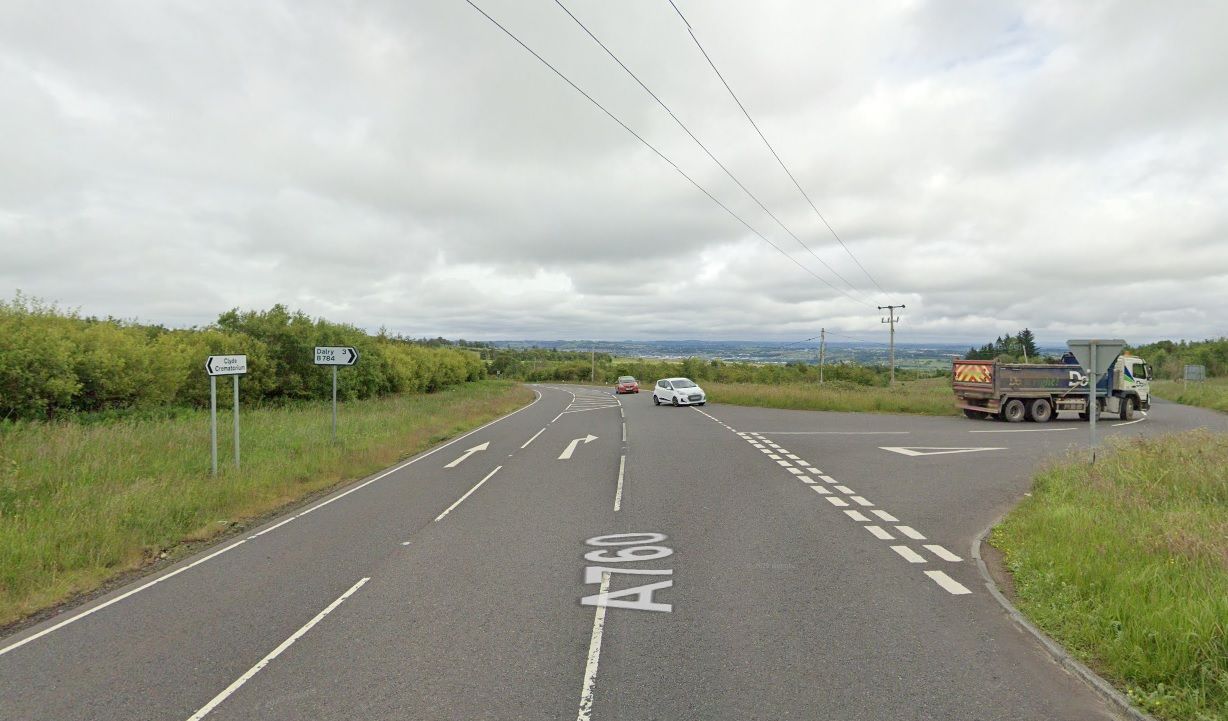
(1211, 393)
(80, 503)
(1126, 564)
(929, 396)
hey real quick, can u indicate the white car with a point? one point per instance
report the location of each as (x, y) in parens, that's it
(678, 392)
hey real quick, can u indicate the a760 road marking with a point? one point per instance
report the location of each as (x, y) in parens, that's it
(627, 548)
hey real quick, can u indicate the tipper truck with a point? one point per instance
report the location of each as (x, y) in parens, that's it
(1015, 392)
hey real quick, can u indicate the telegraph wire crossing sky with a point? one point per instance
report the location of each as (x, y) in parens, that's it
(989, 165)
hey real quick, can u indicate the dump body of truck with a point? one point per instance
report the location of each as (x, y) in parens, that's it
(1038, 392)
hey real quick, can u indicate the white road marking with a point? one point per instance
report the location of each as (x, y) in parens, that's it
(1025, 430)
(774, 457)
(594, 656)
(885, 516)
(879, 533)
(803, 463)
(556, 418)
(845, 489)
(909, 555)
(805, 479)
(943, 553)
(837, 433)
(829, 479)
(857, 516)
(933, 450)
(835, 500)
(471, 490)
(624, 432)
(1129, 423)
(795, 471)
(821, 490)
(406, 543)
(861, 501)
(765, 450)
(466, 454)
(618, 492)
(784, 464)
(790, 455)
(756, 445)
(535, 435)
(274, 527)
(238, 683)
(910, 532)
(571, 447)
(948, 584)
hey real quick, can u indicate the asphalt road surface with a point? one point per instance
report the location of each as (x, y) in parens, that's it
(594, 557)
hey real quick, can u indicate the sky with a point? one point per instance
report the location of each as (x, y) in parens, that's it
(989, 165)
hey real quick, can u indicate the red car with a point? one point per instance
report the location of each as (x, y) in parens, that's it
(627, 384)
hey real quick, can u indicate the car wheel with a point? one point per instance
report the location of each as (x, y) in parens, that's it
(655, 401)
(675, 401)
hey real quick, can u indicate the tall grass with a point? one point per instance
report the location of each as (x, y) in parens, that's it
(930, 396)
(1211, 393)
(1126, 563)
(80, 503)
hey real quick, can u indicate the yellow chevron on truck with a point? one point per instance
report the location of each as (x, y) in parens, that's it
(974, 372)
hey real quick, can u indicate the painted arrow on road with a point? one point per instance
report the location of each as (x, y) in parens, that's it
(468, 453)
(571, 447)
(932, 451)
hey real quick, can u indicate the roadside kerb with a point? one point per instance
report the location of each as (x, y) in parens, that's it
(1101, 686)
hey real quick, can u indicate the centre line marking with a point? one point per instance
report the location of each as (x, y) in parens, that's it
(594, 656)
(471, 490)
(910, 532)
(845, 489)
(822, 491)
(857, 516)
(909, 555)
(885, 516)
(835, 500)
(948, 584)
(829, 479)
(784, 464)
(861, 501)
(879, 533)
(535, 435)
(794, 471)
(805, 479)
(618, 492)
(943, 553)
(204, 710)
(624, 432)
(774, 457)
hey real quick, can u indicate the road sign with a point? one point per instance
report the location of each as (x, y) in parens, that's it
(336, 356)
(1107, 351)
(1195, 373)
(226, 365)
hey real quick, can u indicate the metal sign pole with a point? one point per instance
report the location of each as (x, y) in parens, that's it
(236, 422)
(1093, 403)
(334, 403)
(213, 418)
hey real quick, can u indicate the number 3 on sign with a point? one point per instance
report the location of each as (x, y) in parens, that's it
(627, 548)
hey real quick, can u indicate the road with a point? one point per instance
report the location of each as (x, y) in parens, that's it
(757, 564)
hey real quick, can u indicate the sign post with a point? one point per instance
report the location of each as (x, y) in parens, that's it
(335, 356)
(223, 365)
(1097, 357)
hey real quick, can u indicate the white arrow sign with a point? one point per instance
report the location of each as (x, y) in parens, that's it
(933, 451)
(226, 365)
(468, 453)
(336, 356)
(571, 447)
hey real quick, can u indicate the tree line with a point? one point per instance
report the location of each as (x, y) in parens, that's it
(1020, 347)
(55, 362)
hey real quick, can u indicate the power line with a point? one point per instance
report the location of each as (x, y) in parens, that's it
(661, 155)
(698, 142)
(784, 167)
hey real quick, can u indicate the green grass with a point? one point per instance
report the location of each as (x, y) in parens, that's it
(930, 396)
(80, 503)
(1211, 393)
(1126, 564)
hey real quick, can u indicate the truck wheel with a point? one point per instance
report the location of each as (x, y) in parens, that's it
(1014, 411)
(1041, 410)
(1127, 409)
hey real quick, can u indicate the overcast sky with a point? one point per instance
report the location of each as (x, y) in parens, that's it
(1057, 165)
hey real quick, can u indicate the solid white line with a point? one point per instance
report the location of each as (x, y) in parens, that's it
(117, 599)
(594, 656)
(1129, 423)
(471, 490)
(885, 516)
(845, 489)
(910, 532)
(557, 417)
(837, 433)
(949, 584)
(861, 501)
(909, 555)
(535, 435)
(1025, 430)
(879, 533)
(271, 528)
(618, 492)
(204, 710)
(943, 553)
(856, 516)
(822, 491)
(835, 500)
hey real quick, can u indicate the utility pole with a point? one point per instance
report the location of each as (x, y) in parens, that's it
(593, 358)
(822, 341)
(891, 319)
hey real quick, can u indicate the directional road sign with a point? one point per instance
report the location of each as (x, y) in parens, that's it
(336, 356)
(226, 365)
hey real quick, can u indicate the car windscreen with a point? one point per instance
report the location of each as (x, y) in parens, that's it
(683, 384)
(626, 379)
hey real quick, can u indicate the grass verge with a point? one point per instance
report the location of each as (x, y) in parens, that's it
(1211, 393)
(81, 503)
(1126, 564)
(930, 396)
